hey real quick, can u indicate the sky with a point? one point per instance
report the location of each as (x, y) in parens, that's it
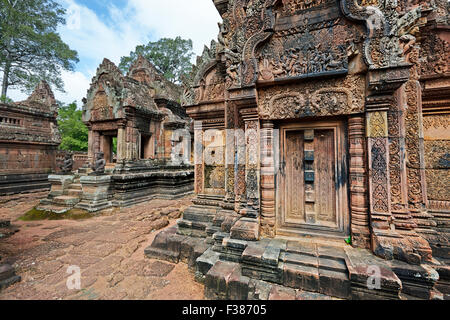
(99, 29)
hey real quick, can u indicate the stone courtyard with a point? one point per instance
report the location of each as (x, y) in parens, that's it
(108, 248)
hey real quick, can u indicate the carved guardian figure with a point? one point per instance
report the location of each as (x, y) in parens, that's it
(67, 165)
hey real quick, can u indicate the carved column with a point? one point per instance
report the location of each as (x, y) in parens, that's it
(240, 167)
(390, 238)
(121, 143)
(247, 228)
(198, 157)
(268, 154)
(91, 147)
(397, 164)
(358, 183)
(252, 163)
(415, 167)
(378, 151)
(230, 156)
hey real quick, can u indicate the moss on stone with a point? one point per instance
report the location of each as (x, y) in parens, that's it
(37, 215)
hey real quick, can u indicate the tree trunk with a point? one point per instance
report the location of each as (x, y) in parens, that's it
(5, 78)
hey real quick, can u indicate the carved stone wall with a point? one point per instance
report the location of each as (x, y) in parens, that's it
(313, 99)
(140, 109)
(29, 139)
(366, 63)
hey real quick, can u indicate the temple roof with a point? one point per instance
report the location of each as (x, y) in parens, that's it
(41, 99)
(145, 72)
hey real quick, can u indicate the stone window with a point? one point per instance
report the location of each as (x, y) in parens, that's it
(10, 121)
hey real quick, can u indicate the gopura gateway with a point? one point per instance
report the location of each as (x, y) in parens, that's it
(317, 122)
(139, 143)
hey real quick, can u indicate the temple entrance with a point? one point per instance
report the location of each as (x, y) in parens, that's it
(109, 146)
(313, 180)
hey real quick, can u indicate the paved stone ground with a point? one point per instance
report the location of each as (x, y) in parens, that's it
(109, 249)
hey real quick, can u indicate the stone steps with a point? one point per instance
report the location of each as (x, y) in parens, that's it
(75, 192)
(66, 200)
(75, 186)
(316, 269)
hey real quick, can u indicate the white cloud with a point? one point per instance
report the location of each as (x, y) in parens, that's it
(194, 19)
(76, 86)
(117, 32)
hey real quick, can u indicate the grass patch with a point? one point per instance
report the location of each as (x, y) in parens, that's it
(37, 215)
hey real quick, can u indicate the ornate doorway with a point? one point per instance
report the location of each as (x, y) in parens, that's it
(313, 180)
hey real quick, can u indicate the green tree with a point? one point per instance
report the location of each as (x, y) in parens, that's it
(170, 56)
(30, 48)
(74, 133)
(5, 99)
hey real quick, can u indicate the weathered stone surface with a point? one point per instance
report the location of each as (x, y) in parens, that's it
(268, 91)
(29, 139)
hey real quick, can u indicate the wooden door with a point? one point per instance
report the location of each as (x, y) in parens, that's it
(313, 180)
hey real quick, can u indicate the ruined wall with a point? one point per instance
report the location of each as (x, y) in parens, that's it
(29, 139)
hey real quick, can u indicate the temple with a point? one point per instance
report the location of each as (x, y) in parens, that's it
(320, 124)
(139, 143)
(29, 139)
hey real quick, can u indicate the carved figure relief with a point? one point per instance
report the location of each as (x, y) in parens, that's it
(337, 97)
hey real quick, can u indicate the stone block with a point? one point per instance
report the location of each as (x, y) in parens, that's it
(217, 279)
(332, 283)
(301, 277)
(245, 229)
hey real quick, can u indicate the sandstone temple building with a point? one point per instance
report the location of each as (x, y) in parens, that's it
(139, 143)
(320, 122)
(29, 139)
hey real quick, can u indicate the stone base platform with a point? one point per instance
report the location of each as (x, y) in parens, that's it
(94, 193)
(136, 187)
(23, 183)
(286, 269)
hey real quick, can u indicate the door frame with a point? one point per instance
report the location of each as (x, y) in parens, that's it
(341, 183)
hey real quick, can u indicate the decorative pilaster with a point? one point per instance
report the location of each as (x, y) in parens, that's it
(247, 228)
(230, 156)
(358, 183)
(379, 188)
(252, 178)
(415, 166)
(198, 157)
(397, 165)
(268, 142)
(388, 241)
(121, 143)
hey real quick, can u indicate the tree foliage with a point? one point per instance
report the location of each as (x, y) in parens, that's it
(74, 132)
(30, 48)
(170, 56)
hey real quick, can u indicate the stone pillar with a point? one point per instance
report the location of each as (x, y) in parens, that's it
(358, 183)
(247, 228)
(415, 169)
(379, 187)
(121, 143)
(132, 141)
(387, 241)
(91, 146)
(230, 155)
(397, 164)
(268, 165)
(198, 157)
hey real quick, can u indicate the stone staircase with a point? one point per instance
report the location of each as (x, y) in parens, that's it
(238, 269)
(70, 196)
